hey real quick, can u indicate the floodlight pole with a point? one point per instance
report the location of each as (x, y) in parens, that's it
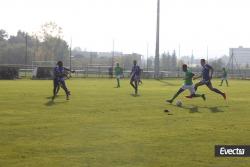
(207, 54)
(147, 57)
(192, 57)
(113, 56)
(26, 52)
(70, 53)
(157, 59)
(232, 61)
(178, 61)
(113, 53)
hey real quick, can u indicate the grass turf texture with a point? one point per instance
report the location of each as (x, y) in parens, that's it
(102, 126)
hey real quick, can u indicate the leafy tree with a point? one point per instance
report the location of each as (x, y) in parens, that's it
(3, 35)
(48, 30)
(52, 47)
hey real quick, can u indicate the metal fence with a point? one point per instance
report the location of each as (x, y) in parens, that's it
(100, 71)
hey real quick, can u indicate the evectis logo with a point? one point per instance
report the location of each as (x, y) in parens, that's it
(232, 151)
(236, 151)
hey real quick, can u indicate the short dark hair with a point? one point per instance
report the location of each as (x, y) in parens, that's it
(184, 66)
(203, 60)
(59, 62)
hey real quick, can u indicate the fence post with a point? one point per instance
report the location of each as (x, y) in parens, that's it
(87, 71)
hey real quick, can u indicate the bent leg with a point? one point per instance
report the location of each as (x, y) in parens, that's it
(210, 86)
(118, 82)
(221, 82)
(55, 87)
(132, 84)
(64, 87)
(136, 87)
(226, 82)
(176, 95)
(198, 84)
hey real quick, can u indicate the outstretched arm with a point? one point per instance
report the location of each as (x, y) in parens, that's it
(196, 77)
(69, 70)
(211, 71)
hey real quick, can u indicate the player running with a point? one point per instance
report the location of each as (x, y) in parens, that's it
(224, 76)
(207, 74)
(59, 73)
(188, 84)
(118, 73)
(135, 76)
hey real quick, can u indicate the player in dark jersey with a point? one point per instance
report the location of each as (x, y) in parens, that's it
(135, 76)
(207, 74)
(188, 84)
(59, 73)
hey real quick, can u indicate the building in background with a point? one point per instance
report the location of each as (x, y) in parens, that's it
(240, 55)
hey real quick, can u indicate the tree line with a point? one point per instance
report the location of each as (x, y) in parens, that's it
(24, 48)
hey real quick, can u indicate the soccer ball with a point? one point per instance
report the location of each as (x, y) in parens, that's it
(179, 103)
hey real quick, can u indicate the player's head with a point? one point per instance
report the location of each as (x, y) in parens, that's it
(184, 67)
(134, 62)
(223, 69)
(203, 62)
(60, 63)
(117, 64)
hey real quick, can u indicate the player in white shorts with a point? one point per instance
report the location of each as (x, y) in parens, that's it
(188, 84)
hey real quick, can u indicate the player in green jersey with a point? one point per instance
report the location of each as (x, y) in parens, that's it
(224, 76)
(188, 84)
(118, 73)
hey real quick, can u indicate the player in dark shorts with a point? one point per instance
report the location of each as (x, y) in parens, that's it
(135, 76)
(207, 74)
(59, 73)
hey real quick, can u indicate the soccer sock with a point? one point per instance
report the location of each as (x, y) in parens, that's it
(196, 95)
(221, 82)
(65, 89)
(217, 91)
(132, 85)
(54, 91)
(177, 94)
(57, 89)
(136, 87)
(118, 83)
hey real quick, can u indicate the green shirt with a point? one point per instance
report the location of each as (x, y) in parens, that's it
(188, 78)
(118, 70)
(224, 73)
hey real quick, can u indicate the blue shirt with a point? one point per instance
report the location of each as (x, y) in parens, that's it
(58, 73)
(205, 72)
(135, 71)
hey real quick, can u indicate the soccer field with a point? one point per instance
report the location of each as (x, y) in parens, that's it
(103, 126)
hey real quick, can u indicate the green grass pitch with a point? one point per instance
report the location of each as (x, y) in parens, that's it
(102, 126)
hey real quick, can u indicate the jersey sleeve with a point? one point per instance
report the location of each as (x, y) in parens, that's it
(208, 66)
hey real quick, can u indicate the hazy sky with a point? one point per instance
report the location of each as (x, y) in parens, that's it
(94, 24)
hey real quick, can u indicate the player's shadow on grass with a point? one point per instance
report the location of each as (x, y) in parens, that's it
(53, 102)
(135, 95)
(195, 109)
(166, 83)
(50, 103)
(49, 97)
